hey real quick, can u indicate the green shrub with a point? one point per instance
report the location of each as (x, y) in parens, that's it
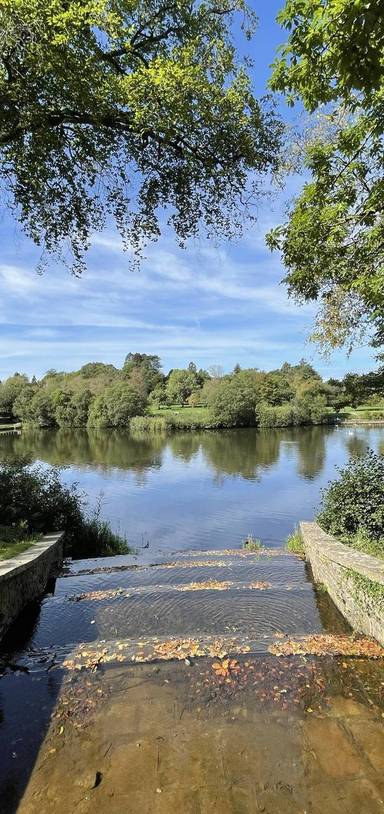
(361, 542)
(10, 389)
(311, 408)
(376, 400)
(232, 402)
(42, 407)
(73, 409)
(269, 416)
(301, 411)
(355, 502)
(35, 498)
(116, 406)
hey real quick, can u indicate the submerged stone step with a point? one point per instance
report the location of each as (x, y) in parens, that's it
(156, 648)
(286, 570)
(239, 553)
(144, 559)
(177, 613)
(111, 594)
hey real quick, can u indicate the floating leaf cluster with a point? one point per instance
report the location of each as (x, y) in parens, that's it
(328, 644)
(209, 585)
(147, 650)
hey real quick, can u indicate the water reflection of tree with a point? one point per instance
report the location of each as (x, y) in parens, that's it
(104, 448)
(311, 449)
(241, 452)
(356, 446)
(247, 453)
(185, 445)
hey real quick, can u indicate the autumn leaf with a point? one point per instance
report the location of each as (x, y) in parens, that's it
(328, 644)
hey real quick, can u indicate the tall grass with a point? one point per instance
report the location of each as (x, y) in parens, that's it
(148, 423)
(294, 543)
(182, 419)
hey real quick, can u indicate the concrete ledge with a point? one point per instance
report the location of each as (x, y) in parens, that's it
(23, 578)
(339, 567)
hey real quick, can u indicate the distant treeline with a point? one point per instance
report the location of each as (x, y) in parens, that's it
(101, 395)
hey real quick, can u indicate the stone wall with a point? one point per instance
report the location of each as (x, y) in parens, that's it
(24, 577)
(344, 571)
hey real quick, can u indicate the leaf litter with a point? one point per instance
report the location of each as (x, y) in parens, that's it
(323, 644)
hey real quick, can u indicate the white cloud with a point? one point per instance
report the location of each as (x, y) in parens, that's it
(211, 304)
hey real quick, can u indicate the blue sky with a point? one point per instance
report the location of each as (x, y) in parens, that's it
(212, 305)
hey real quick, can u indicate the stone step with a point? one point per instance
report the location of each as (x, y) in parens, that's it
(157, 648)
(286, 570)
(145, 558)
(176, 613)
(117, 592)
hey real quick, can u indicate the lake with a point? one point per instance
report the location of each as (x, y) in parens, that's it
(200, 490)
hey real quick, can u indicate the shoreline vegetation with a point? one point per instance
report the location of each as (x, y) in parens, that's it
(33, 501)
(140, 396)
(352, 507)
(196, 419)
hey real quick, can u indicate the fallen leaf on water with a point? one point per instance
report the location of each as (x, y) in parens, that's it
(195, 564)
(98, 595)
(225, 667)
(328, 644)
(209, 585)
(221, 667)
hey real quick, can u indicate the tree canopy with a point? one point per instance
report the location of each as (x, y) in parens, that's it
(102, 395)
(121, 109)
(333, 241)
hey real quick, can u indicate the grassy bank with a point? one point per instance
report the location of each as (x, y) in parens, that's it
(177, 417)
(364, 412)
(7, 552)
(14, 541)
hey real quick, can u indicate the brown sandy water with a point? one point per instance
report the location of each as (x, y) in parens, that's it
(264, 734)
(117, 693)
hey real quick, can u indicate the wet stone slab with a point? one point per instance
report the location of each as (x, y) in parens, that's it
(184, 569)
(216, 593)
(285, 572)
(178, 613)
(199, 685)
(272, 735)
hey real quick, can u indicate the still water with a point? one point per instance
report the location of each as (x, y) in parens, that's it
(202, 490)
